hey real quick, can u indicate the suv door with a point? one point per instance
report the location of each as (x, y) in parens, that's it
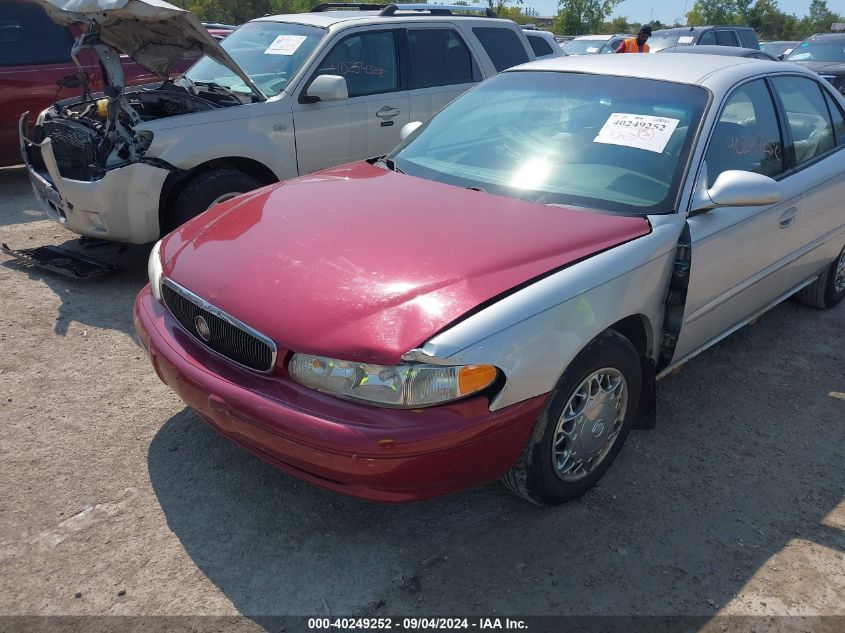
(369, 121)
(816, 128)
(740, 255)
(440, 67)
(34, 55)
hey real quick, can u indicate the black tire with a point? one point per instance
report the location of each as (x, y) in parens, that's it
(200, 192)
(823, 293)
(534, 477)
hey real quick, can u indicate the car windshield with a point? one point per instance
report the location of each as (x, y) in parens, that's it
(583, 47)
(615, 144)
(269, 52)
(658, 42)
(776, 48)
(819, 51)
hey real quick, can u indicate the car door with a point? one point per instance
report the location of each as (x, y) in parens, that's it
(34, 55)
(740, 255)
(816, 130)
(440, 67)
(369, 121)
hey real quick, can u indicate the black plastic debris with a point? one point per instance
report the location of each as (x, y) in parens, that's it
(61, 260)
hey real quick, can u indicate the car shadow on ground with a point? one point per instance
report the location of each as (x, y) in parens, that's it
(15, 186)
(102, 302)
(747, 456)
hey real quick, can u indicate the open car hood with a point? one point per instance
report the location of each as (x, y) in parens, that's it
(153, 33)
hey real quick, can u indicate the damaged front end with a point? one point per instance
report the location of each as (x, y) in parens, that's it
(87, 156)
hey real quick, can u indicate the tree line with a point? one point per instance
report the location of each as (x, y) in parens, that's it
(577, 17)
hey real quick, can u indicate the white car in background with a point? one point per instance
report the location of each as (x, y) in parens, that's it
(280, 97)
(594, 44)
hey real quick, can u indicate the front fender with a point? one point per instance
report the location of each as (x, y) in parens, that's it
(533, 334)
(267, 139)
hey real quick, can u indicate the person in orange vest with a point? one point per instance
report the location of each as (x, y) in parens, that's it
(636, 44)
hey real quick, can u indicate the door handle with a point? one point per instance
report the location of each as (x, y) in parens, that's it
(387, 112)
(787, 218)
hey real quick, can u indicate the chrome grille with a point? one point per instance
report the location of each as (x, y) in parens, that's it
(225, 334)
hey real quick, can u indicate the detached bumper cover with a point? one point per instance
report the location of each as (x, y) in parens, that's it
(367, 452)
(122, 206)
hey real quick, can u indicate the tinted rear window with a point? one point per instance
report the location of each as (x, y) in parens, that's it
(748, 39)
(439, 57)
(503, 46)
(539, 45)
(28, 36)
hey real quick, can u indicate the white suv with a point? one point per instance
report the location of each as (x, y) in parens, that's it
(284, 96)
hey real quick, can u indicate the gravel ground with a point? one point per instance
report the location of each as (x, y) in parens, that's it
(116, 499)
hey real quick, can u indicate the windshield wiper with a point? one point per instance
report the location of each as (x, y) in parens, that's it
(390, 164)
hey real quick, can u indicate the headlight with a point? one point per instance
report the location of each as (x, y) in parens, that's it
(403, 386)
(154, 270)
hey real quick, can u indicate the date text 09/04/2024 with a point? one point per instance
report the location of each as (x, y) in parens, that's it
(416, 623)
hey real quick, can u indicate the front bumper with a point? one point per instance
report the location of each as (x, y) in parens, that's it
(367, 452)
(122, 206)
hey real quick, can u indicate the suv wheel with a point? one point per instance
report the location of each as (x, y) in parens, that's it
(206, 190)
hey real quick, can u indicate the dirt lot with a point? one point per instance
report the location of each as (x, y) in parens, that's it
(116, 499)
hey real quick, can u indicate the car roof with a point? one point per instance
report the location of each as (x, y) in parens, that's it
(593, 37)
(826, 36)
(698, 29)
(326, 19)
(712, 49)
(705, 70)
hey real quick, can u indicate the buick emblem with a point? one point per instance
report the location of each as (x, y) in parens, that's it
(202, 328)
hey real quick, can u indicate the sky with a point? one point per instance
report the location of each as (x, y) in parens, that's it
(669, 11)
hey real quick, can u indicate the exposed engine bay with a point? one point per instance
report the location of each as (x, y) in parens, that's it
(87, 141)
(97, 132)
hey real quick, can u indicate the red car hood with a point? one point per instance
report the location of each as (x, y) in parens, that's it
(362, 263)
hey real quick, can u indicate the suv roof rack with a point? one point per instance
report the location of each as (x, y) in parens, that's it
(438, 9)
(348, 6)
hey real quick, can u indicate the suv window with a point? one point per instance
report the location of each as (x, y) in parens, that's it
(726, 38)
(807, 116)
(540, 46)
(438, 58)
(366, 60)
(28, 36)
(503, 46)
(747, 38)
(838, 118)
(708, 38)
(747, 136)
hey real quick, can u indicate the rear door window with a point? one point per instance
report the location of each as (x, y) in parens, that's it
(503, 46)
(807, 116)
(747, 136)
(439, 57)
(726, 38)
(29, 37)
(540, 46)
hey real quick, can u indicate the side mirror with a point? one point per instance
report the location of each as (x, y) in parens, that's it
(408, 128)
(327, 88)
(736, 189)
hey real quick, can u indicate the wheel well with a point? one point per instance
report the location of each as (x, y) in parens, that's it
(176, 181)
(636, 329)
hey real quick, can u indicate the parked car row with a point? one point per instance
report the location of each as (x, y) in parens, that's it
(282, 96)
(437, 297)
